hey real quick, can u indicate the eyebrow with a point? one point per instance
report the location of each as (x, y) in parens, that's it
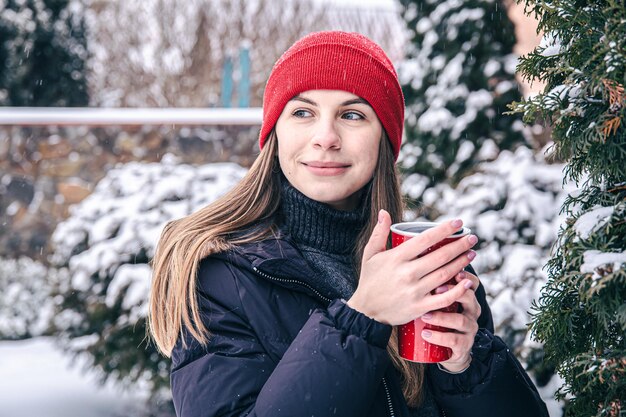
(357, 100)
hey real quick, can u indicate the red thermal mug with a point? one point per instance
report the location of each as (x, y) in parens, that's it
(412, 346)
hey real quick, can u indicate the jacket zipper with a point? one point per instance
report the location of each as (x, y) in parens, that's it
(291, 281)
(391, 413)
(328, 300)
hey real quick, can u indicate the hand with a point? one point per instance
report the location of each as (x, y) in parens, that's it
(395, 286)
(464, 326)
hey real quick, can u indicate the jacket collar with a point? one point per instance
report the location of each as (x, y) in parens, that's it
(279, 261)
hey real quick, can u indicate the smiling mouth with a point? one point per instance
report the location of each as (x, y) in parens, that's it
(329, 165)
(326, 169)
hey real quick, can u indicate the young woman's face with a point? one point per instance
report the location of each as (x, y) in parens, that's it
(328, 144)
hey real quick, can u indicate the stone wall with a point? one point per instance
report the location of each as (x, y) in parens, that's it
(43, 171)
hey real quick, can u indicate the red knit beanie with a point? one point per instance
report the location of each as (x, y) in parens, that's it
(336, 60)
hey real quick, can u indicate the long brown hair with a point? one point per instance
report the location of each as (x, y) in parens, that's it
(256, 198)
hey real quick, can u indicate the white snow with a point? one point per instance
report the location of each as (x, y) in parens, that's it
(593, 259)
(551, 50)
(592, 220)
(475, 102)
(555, 408)
(25, 304)
(423, 25)
(110, 236)
(435, 120)
(38, 380)
(554, 98)
(550, 45)
(414, 185)
(131, 283)
(130, 206)
(491, 67)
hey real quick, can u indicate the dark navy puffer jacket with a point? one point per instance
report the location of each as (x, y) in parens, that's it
(279, 346)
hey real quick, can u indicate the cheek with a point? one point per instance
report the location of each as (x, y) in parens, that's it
(373, 156)
(371, 169)
(285, 159)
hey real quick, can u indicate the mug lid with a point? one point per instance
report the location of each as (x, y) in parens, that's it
(415, 228)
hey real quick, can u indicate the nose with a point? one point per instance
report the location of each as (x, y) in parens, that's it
(326, 136)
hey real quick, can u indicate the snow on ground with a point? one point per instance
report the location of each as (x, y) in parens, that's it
(40, 381)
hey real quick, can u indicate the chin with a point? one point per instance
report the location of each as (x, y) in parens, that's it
(337, 201)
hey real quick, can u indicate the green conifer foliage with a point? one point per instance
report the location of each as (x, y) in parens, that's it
(42, 54)
(458, 78)
(581, 314)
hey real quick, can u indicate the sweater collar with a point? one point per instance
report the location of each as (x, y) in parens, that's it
(318, 225)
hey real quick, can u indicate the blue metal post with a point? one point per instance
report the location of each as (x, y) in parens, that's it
(244, 82)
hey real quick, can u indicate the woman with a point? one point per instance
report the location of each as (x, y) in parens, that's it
(249, 293)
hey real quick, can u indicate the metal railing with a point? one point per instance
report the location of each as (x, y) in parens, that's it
(91, 116)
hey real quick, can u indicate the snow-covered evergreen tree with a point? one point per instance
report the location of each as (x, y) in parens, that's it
(42, 54)
(107, 243)
(581, 315)
(458, 78)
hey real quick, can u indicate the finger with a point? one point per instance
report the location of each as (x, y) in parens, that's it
(460, 343)
(442, 300)
(418, 244)
(458, 322)
(443, 274)
(378, 240)
(470, 305)
(448, 252)
(465, 274)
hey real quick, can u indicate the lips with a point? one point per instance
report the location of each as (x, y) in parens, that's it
(320, 164)
(326, 168)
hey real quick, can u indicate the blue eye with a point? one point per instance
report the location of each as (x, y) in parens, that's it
(302, 113)
(351, 115)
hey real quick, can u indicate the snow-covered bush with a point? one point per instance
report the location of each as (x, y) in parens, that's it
(107, 243)
(512, 204)
(26, 308)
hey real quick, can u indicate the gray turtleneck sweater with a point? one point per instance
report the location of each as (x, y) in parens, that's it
(326, 238)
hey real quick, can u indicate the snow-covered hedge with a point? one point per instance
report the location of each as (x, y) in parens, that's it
(107, 243)
(512, 204)
(26, 308)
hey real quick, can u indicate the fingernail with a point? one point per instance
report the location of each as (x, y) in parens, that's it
(380, 217)
(468, 285)
(471, 255)
(441, 290)
(457, 223)
(426, 334)
(461, 275)
(472, 239)
(427, 316)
